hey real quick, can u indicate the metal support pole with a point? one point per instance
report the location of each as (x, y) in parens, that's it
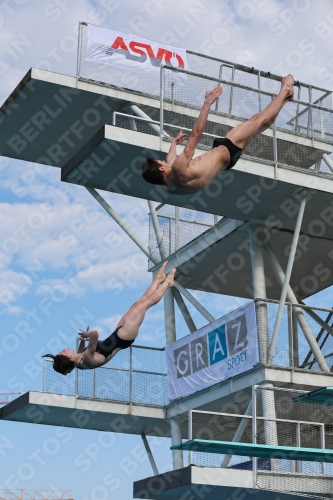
(177, 296)
(238, 434)
(133, 108)
(149, 453)
(157, 229)
(259, 291)
(295, 338)
(169, 317)
(146, 251)
(270, 428)
(176, 438)
(195, 303)
(298, 312)
(185, 312)
(286, 281)
(328, 162)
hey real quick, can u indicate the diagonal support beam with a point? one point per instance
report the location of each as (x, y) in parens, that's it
(149, 453)
(328, 161)
(238, 434)
(185, 312)
(146, 251)
(298, 312)
(287, 279)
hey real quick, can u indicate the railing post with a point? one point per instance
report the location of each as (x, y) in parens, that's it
(176, 228)
(44, 376)
(190, 430)
(275, 152)
(161, 103)
(131, 379)
(94, 393)
(254, 435)
(323, 446)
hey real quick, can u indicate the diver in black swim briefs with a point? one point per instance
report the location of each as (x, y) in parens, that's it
(98, 352)
(184, 174)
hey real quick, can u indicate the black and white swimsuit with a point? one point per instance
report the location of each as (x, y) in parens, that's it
(107, 346)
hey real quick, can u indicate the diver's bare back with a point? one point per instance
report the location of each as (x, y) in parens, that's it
(192, 175)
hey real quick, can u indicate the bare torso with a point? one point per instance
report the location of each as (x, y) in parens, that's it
(190, 176)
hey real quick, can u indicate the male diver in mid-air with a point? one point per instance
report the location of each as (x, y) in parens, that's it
(184, 174)
(99, 352)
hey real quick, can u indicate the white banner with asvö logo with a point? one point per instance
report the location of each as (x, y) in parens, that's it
(133, 52)
(214, 353)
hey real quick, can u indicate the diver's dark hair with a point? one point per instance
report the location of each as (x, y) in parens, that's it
(61, 364)
(151, 172)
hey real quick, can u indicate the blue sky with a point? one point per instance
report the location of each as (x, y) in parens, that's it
(63, 253)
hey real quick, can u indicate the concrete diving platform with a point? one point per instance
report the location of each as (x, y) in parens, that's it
(209, 483)
(79, 413)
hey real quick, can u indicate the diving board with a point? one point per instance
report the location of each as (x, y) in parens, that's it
(323, 396)
(257, 450)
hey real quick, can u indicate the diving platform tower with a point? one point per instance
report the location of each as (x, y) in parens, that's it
(262, 231)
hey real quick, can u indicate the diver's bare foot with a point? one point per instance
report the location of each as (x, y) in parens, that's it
(287, 86)
(171, 277)
(160, 276)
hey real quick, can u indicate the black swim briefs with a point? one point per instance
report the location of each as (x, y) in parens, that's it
(234, 151)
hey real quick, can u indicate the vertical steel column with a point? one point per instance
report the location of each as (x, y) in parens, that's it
(176, 438)
(295, 338)
(149, 453)
(157, 229)
(268, 408)
(259, 291)
(298, 312)
(286, 281)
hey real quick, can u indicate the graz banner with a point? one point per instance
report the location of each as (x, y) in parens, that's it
(134, 53)
(214, 353)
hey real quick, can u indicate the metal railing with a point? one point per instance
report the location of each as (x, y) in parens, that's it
(292, 348)
(179, 226)
(274, 420)
(124, 378)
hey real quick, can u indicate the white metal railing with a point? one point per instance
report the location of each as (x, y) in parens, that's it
(116, 381)
(226, 429)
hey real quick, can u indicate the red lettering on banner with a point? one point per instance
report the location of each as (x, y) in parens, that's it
(119, 42)
(135, 47)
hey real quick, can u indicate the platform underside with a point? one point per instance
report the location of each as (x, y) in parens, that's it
(68, 411)
(220, 261)
(209, 483)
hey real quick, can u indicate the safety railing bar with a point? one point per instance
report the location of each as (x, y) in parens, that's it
(241, 86)
(224, 414)
(185, 220)
(134, 370)
(148, 348)
(165, 124)
(303, 306)
(117, 113)
(266, 419)
(247, 69)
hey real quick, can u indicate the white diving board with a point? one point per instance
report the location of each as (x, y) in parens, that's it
(257, 450)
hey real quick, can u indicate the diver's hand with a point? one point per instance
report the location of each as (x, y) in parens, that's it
(84, 334)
